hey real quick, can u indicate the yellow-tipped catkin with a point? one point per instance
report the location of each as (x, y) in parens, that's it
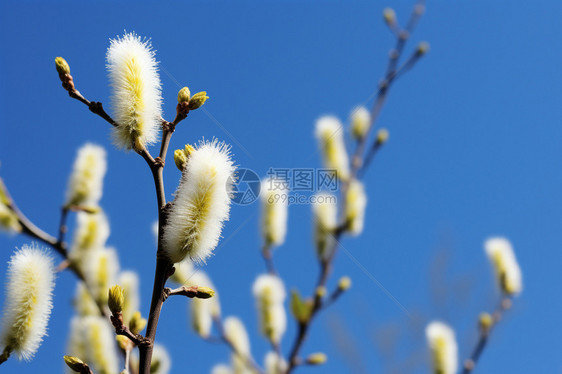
(329, 133)
(274, 211)
(100, 270)
(136, 98)
(423, 48)
(355, 203)
(389, 16)
(28, 303)
(180, 159)
(92, 339)
(274, 364)
(269, 293)
(201, 205)
(325, 210)
(91, 233)
(86, 181)
(83, 302)
(443, 348)
(360, 121)
(506, 268)
(485, 322)
(8, 219)
(236, 334)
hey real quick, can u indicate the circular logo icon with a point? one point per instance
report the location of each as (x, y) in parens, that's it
(245, 187)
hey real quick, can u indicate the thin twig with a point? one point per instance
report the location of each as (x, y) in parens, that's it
(471, 362)
(357, 163)
(267, 255)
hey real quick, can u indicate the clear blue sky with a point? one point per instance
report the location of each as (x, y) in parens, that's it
(474, 151)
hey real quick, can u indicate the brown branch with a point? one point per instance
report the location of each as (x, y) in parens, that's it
(189, 291)
(5, 355)
(471, 362)
(357, 163)
(267, 255)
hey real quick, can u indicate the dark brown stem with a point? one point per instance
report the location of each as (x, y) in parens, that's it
(5, 355)
(471, 362)
(62, 224)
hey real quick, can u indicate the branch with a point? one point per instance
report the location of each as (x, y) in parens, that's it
(358, 163)
(190, 291)
(267, 255)
(471, 362)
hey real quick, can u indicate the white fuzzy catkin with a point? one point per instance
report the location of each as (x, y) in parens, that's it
(274, 364)
(274, 211)
(269, 293)
(28, 304)
(85, 185)
(221, 369)
(505, 265)
(360, 120)
(184, 271)
(325, 211)
(100, 270)
(443, 348)
(83, 302)
(329, 132)
(236, 334)
(203, 310)
(129, 281)
(161, 362)
(201, 204)
(355, 203)
(137, 97)
(92, 231)
(93, 341)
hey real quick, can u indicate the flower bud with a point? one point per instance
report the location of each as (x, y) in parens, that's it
(321, 292)
(123, 342)
(116, 299)
(318, 358)
(205, 293)
(382, 136)
(344, 283)
(389, 16)
(485, 322)
(184, 95)
(423, 48)
(198, 100)
(360, 121)
(300, 309)
(137, 323)
(180, 159)
(62, 66)
(74, 363)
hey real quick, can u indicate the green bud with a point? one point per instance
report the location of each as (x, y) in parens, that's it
(423, 48)
(62, 66)
(137, 323)
(180, 158)
(344, 284)
(485, 322)
(382, 136)
(204, 293)
(318, 358)
(184, 95)
(198, 100)
(74, 363)
(389, 16)
(116, 299)
(301, 310)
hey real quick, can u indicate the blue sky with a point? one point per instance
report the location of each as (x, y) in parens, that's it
(473, 152)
